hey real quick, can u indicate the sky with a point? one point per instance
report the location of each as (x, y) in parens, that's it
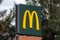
(6, 4)
(20, 1)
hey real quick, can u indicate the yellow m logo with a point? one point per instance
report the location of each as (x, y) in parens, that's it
(30, 19)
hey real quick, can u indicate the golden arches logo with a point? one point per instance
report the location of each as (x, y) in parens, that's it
(31, 15)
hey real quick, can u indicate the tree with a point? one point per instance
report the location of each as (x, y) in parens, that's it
(6, 27)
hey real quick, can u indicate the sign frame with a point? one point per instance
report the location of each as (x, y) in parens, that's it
(17, 20)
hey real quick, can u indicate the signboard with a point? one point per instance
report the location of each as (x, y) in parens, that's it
(28, 20)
